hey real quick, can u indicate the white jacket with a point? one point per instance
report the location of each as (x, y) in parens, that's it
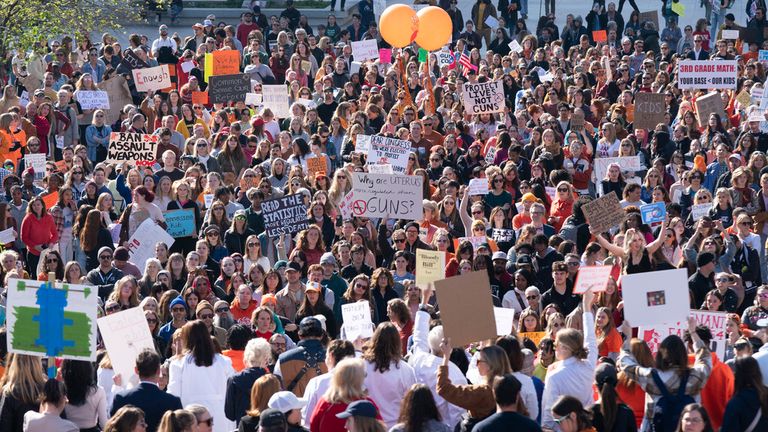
(387, 389)
(203, 385)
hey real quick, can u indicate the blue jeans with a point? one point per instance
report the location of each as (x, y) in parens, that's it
(92, 152)
(717, 19)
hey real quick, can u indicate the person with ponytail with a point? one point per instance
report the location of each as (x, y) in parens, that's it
(608, 413)
(52, 403)
(178, 421)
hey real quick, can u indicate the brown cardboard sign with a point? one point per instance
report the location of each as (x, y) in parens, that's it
(466, 308)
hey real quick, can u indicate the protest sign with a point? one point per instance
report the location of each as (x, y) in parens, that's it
(132, 147)
(653, 213)
(276, 98)
(445, 57)
(707, 74)
(504, 320)
(317, 165)
(698, 211)
(478, 186)
(762, 56)
(152, 79)
(627, 163)
(383, 195)
(492, 22)
(357, 320)
(36, 161)
(7, 236)
(92, 99)
(577, 120)
(430, 266)
(380, 169)
(221, 62)
(678, 8)
(649, 110)
(132, 61)
(730, 34)
(365, 50)
(476, 241)
(515, 46)
(181, 223)
(199, 98)
(482, 98)
(119, 96)
(657, 297)
(744, 98)
(715, 321)
(711, 103)
(253, 99)
(391, 151)
(187, 66)
(362, 143)
(461, 297)
(604, 213)
(502, 234)
(345, 206)
(593, 278)
(126, 334)
(46, 321)
(599, 36)
(385, 55)
(309, 103)
(50, 199)
(24, 98)
(228, 88)
(535, 337)
(208, 200)
(141, 245)
(652, 16)
(285, 215)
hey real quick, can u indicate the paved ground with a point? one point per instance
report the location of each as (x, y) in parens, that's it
(535, 10)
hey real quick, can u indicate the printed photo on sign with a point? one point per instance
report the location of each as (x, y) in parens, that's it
(653, 213)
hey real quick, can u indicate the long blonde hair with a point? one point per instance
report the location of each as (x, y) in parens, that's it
(24, 378)
(347, 382)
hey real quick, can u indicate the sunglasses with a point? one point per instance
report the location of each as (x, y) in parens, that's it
(222, 310)
(152, 320)
(113, 308)
(206, 316)
(105, 257)
(51, 260)
(179, 309)
(212, 234)
(531, 297)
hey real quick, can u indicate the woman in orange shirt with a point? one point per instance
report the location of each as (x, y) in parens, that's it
(630, 392)
(608, 338)
(12, 137)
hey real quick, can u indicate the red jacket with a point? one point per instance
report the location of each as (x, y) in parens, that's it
(717, 391)
(35, 232)
(324, 419)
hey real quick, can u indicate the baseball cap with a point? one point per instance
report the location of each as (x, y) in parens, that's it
(529, 197)
(524, 259)
(360, 408)
(208, 23)
(272, 418)
(197, 25)
(285, 401)
(499, 256)
(312, 286)
(605, 373)
(293, 266)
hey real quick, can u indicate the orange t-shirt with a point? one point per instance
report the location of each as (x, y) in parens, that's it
(611, 343)
(236, 357)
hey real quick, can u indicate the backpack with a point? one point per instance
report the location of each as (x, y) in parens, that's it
(666, 413)
(569, 231)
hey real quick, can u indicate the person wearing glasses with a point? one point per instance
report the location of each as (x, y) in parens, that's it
(698, 52)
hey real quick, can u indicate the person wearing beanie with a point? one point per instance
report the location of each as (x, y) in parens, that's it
(122, 263)
(609, 413)
(105, 275)
(178, 310)
(703, 281)
(204, 312)
(333, 281)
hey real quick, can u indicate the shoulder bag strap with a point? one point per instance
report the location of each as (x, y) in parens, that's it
(751, 427)
(683, 385)
(659, 383)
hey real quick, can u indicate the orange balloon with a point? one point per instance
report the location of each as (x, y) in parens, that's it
(435, 28)
(398, 25)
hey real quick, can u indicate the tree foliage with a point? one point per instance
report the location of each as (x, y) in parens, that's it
(24, 22)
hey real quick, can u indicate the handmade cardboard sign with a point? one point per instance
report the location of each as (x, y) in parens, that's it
(604, 213)
(461, 297)
(92, 99)
(711, 103)
(649, 110)
(228, 88)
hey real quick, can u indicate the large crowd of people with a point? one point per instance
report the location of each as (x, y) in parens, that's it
(248, 329)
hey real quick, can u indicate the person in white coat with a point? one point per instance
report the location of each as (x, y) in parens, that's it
(200, 376)
(573, 373)
(511, 345)
(388, 377)
(426, 358)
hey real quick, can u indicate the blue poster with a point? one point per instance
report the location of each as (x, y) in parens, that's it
(181, 223)
(653, 213)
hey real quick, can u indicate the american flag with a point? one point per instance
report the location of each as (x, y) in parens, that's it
(464, 61)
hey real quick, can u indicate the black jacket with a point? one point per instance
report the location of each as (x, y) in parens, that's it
(624, 422)
(238, 398)
(153, 401)
(235, 242)
(741, 412)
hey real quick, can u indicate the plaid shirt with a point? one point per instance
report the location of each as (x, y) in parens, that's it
(697, 377)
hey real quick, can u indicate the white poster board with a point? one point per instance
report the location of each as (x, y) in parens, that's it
(275, 97)
(152, 79)
(357, 320)
(707, 74)
(126, 334)
(391, 151)
(658, 297)
(716, 321)
(505, 320)
(383, 195)
(93, 99)
(627, 163)
(698, 211)
(365, 50)
(478, 186)
(593, 277)
(142, 245)
(36, 161)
